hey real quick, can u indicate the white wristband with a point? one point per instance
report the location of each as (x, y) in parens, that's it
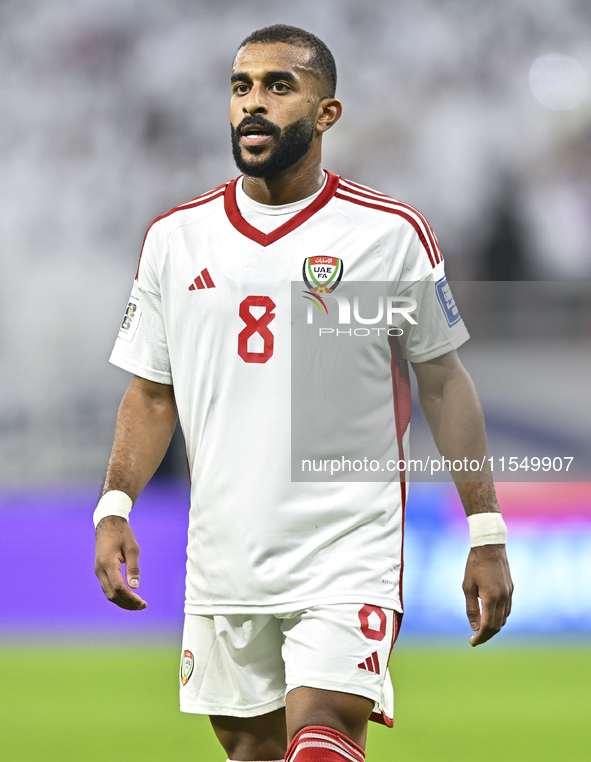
(487, 529)
(113, 503)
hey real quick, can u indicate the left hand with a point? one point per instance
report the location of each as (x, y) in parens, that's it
(487, 577)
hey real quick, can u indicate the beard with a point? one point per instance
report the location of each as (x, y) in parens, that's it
(292, 143)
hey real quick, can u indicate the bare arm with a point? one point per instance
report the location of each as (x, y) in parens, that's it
(451, 407)
(145, 425)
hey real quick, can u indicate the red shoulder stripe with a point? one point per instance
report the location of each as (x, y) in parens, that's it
(400, 213)
(383, 199)
(201, 196)
(365, 188)
(205, 198)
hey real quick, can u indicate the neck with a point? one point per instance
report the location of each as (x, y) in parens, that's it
(300, 181)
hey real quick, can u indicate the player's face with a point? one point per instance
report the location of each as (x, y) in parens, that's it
(274, 107)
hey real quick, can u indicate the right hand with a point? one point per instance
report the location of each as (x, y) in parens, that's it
(487, 578)
(116, 545)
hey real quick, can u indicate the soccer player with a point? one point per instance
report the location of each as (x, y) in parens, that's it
(293, 599)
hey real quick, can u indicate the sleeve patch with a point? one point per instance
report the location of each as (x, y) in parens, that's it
(447, 302)
(131, 319)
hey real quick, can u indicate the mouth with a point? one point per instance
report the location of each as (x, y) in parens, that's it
(251, 138)
(255, 135)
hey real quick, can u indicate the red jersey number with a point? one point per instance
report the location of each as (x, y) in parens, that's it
(258, 325)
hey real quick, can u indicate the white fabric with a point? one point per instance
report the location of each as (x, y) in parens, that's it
(244, 666)
(113, 503)
(259, 542)
(145, 354)
(487, 529)
(265, 217)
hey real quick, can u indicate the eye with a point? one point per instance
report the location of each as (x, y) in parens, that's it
(280, 87)
(241, 89)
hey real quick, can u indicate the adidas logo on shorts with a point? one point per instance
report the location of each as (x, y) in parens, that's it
(372, 663)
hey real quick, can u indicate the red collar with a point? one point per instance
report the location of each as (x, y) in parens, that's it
(264, 239)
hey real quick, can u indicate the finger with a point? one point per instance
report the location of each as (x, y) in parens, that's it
(125, 598)
(132, 566)
(107, 569)
(506, 604)
(118, 593)
(487, 622)
(507, 609)
(510, 602)
(500, 615)
(472, 608)
(103, 576)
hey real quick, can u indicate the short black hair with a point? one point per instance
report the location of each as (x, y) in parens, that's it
(322, 60)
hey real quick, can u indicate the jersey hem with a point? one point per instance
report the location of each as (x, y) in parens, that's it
(150, 375)
(439, 351)
(382, 718)
(288, 607)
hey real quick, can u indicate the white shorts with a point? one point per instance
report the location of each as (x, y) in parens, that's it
(244, 665)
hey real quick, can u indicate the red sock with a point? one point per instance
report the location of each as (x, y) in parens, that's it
(318, 744)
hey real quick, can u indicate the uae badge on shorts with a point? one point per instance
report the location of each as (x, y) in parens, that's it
(187, 664)
(322, 274)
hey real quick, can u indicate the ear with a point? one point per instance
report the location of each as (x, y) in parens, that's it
(329, 112)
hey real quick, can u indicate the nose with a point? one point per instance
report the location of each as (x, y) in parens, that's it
(255, 102)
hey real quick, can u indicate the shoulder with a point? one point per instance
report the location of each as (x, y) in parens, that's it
(189, 211)
(378, 208)
(184, 214)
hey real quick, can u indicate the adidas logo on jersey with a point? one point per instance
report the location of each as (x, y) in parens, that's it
(371, 663)
(202, 281)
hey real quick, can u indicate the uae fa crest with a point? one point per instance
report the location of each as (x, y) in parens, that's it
(322, 274)
(187, 664)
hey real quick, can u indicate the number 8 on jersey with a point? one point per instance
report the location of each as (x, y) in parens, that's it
(258, 325)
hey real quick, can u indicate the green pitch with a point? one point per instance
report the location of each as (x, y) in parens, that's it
(85, 705)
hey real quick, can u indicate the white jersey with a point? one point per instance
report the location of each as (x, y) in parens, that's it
(210, 314)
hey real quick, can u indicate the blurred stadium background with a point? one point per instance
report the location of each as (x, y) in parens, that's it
(477, 113)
